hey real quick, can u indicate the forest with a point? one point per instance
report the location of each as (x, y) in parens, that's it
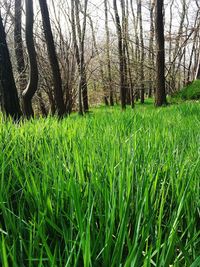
(99, 133)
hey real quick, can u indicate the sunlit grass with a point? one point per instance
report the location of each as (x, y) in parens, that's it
(109, 189)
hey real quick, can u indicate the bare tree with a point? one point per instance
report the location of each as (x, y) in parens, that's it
(108, 61)
(78, 34)
(53, 59)
(136, 54)
(178, 52)
(18, 43)
(8, 92)
(31, 88)
(121, 56)
(197, 76)
(78, 59)
(198, 71)
(139, 7)
(104, 83)
(195, 39)
(160, 55)
(126, 51)
(151, 46)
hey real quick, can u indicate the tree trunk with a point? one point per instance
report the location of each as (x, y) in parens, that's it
(198, 71)
(81, 38)
(136, 55)
(18, 43)
(84, 91)
(76, 50)
(42, 104)
(121, 57)
(160, 98)
(79, 53)
(108, 54)
(151, 47)
(104, 84)
(127, 45)
(192, 49)
(8, 92)
(197, 76)
(142, 52)
(124, 56)
(31, 88)
(53, 59)
(178, 50)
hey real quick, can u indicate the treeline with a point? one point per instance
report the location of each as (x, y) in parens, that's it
(52, 61)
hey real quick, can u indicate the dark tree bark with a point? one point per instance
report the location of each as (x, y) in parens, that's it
(53, 59)
(31, 88)
(121, 57)
(18, 43)
(8, 92)
(160, 98)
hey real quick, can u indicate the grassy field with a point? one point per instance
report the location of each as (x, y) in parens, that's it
(109, 189)
(189, 92)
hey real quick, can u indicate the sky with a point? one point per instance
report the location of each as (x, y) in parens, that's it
(60, 10)
(96, 11)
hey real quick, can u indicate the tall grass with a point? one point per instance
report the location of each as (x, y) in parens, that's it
(189, 92)
(109, 189)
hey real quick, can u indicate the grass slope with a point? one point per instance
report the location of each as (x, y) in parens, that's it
(190, 92)
(110, 189)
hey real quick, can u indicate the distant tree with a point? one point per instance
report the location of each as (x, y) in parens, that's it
(101, 67)
(178, 51)
(193, 49)
(198, 71)
(108, 61)
(121, 56)
(136, 52)
(59, 99)
(8, 92)
(31, 88)
(151, 45)
(78, 34)
(124, 25)
(160, 98)
(139, 10)
(79, 59)
(198, 30)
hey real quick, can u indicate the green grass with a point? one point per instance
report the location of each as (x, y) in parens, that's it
(190, 92)
(109, 189)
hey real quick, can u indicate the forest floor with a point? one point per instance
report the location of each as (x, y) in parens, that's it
(109, 189)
